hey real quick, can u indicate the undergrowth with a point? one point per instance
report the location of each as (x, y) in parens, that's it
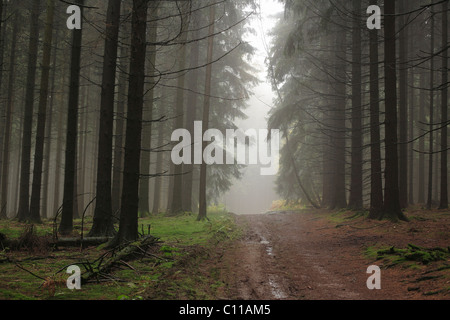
(30, 274)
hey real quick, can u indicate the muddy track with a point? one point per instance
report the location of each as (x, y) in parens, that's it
(298, 256)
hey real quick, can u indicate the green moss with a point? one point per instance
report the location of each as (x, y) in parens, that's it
(172, 277)
(411, 253)
(6, 294)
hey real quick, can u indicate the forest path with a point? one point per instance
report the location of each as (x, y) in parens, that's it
(291, 256)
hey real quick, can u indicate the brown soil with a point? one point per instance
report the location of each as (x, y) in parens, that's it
(289, 256)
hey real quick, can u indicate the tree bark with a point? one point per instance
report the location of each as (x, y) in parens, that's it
(35, 203)
(120, 123)
(8, 122)
(67, 214)
(2, 106)
(144, 183)
(159, 169)
(202, 214)
(45, 200)
(191, 116)
(431, 117)
(403, 109)
(128, 226)
(421, 171)
(411, 133)
(355, 198)
(23, 213)
(376, 179)
(443, 200)
(392, 209)
(177, 195)
(339, 197)
(103, 215)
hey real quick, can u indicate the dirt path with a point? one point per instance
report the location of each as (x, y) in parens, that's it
(300, 256)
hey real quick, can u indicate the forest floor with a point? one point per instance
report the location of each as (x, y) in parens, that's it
(325, 256)
(301, 255)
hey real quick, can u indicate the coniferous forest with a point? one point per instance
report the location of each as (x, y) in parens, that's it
(224, 149)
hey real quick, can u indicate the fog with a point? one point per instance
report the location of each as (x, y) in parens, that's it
(254, 194)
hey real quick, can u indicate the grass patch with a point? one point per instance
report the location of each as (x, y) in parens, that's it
(344, 215)
(185, 243)
(285, 205)
(417, 255)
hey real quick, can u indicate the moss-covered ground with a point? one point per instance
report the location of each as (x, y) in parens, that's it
(39, 272)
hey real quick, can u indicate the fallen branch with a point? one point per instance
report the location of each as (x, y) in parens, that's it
(125, 253)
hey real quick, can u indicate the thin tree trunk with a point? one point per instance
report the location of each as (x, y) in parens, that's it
(177, 193)
(202, 214)
(431, 134)
(421, 171)
(48, 135)
(411, 132)
(23, 213)
(58, 158)
(35, 203)
(191, 116)
(8, 122)
(66, 224)
(2, 106)
(120, 124)
(144, 183)
(443, 200)
(376, 179)
(392, 209)
(103, 215)
(159, 169)
(355, 198)
(339, 198)
(403, 109)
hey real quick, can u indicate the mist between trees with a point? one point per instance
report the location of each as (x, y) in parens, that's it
(365, 111)
(87, 114)
(110, 94)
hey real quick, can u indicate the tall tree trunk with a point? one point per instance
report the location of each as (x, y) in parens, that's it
(58, 158)
(144, 183)
(67, 214)
(411, 133)
(421, 171)
(120, 124)
(35, 203)
(103, 215)
(356, 199)
(191, 116)
(23, 213)
(403, 109)
(159, 169)
(2, 106)
(443, 200)
(8, 122)
(177, 195)
(376, 179)
(202, 213)
(128, 226)
(431, 127)
(392, 209)
(82, 150)
(339, 197)
(45, 200)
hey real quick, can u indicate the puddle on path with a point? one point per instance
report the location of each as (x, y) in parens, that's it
(277, 292)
